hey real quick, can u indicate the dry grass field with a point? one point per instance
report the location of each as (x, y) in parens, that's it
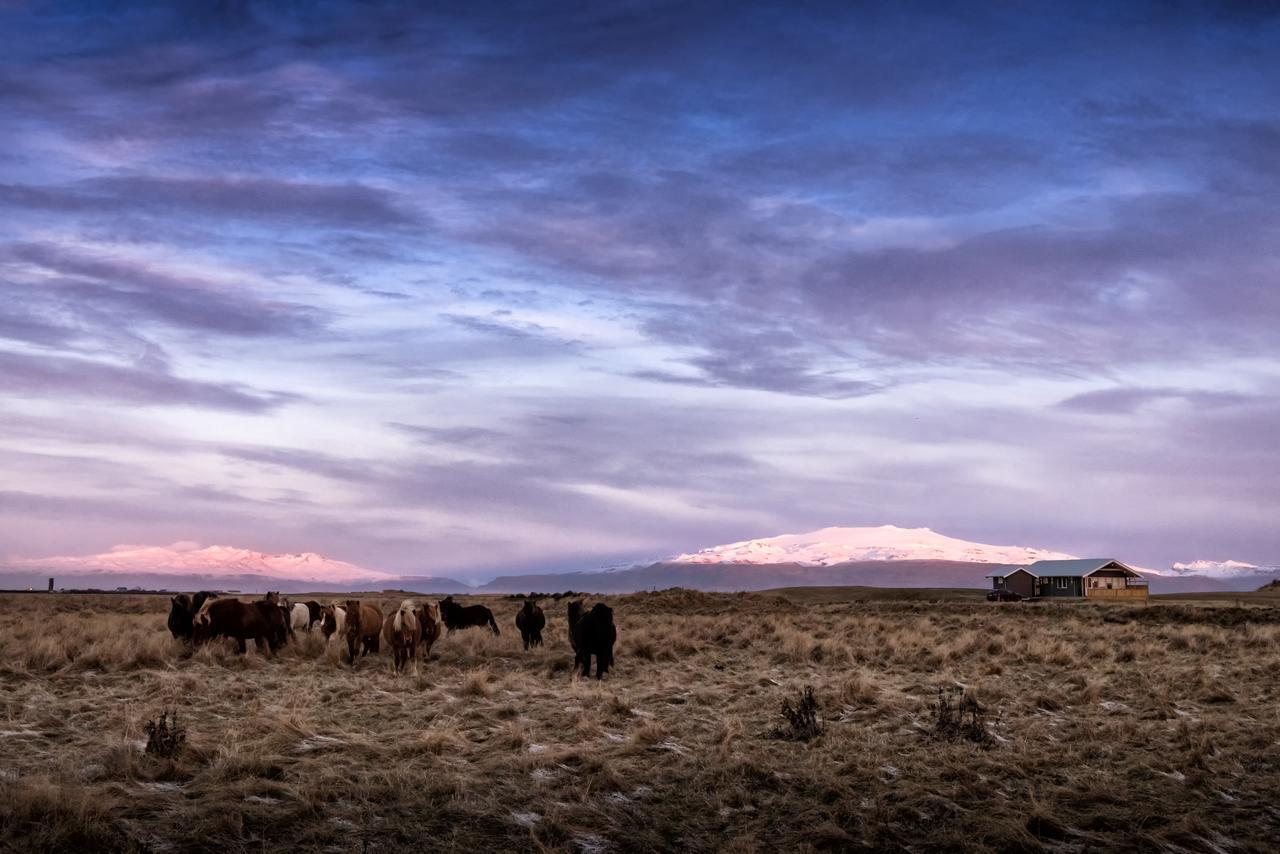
(1111, 728)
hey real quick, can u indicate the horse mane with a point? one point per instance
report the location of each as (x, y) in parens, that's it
(405, 614)
(202, 616)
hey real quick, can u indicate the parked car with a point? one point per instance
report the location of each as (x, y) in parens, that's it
(1004, 596)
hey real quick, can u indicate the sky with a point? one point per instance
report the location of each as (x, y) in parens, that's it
(484, 288)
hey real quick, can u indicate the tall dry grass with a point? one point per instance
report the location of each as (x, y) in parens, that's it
(1114, 728)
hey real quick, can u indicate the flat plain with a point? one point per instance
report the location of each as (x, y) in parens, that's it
(1109, 727)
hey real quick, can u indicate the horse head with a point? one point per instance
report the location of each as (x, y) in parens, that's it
(353, 617)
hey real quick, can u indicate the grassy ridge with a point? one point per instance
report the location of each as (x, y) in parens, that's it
(1113, 728)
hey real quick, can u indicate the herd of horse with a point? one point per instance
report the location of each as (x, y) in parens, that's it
(271, 622)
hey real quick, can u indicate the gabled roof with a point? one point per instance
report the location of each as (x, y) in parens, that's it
(1080, 567)
(1011, 570)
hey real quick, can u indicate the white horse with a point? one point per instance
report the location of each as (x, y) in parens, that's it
(299, 617)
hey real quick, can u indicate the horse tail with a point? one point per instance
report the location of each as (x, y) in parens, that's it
(493, 625)
(575, 614)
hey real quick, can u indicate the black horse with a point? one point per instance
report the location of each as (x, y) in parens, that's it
(530, 621)
(592, 633)
(457, 616)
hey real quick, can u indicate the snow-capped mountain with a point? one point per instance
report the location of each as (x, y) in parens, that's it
(192, 559)
(1223, 569)
(191, 566)
(830, 546)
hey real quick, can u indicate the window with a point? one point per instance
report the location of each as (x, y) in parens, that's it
(1062, 583)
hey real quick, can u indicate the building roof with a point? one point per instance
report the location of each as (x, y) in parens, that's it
(1080, 567)
(1011, 570)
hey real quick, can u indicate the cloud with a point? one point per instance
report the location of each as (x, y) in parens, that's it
(1113, 401)
(532, 257)
(348, 205)
(100, 290)
(46, 377)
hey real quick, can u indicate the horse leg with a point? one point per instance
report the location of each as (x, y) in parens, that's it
(586, 665)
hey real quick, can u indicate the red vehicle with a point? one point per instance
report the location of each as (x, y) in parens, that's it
(1003, 596)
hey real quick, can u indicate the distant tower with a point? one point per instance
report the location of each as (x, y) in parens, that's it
(50, 585)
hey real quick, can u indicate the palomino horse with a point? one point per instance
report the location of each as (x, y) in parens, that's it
(364, 628)
(401, 632)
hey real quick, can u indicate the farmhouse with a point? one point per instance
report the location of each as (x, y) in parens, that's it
(1089, 578)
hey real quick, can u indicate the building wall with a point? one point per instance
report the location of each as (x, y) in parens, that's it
(1054, 586)
(1022, 583)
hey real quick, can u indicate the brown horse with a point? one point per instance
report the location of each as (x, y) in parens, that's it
(364, 627)
(430, 626)
(402, 633)
(241, 621)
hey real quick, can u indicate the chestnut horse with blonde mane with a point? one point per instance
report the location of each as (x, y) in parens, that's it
(430, 626)
(402, 633)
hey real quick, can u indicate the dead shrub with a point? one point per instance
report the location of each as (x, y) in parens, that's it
(962, 721)
(165, 739)
(800, 722)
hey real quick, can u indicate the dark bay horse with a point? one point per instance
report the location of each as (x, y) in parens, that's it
(593, 634)
(530, 621)
(260, 621)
